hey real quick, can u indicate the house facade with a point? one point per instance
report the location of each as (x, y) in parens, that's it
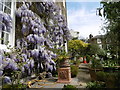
(9, 7)
(62, 5)
(99, 40)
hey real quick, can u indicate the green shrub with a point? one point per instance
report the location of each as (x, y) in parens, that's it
(118, 80)
(96, 64)
(110, 63)
(15, 86)
(88, 58)
(69, 87)
(111, 80)
(77, 62)
(74, 70)
(101, 76)
(95, 85)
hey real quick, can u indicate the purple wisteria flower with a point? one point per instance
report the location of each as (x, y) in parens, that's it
(41, 35)
(36, 30)
(25, 29)
(5, 21)
(30, 38)
(24, 57)
(7, 80)
(23, 7)
(17, 60)
(52, 62)
(26, 66)
(1, 58)
(1, 72)
(31, 63)
(35, 53)
(12, 65)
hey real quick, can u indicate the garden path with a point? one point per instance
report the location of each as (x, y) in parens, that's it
(80, 81)
(83, 75)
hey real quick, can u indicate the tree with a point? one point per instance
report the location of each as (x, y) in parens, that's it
(93, 49)
(111, 13)
(76, 47)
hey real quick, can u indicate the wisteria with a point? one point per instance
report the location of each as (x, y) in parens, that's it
(42, 32)
(33, 23)
(7, 80)
(5, 22)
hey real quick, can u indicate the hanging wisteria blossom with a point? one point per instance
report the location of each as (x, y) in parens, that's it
(42, 29)
(5, 21)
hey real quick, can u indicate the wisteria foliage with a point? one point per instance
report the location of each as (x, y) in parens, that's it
(40, 33)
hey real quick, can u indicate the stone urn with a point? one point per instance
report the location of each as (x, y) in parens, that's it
(64, 72)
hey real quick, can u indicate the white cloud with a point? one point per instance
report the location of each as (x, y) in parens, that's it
(84, 21)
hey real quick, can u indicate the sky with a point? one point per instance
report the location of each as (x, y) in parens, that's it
(81, 16)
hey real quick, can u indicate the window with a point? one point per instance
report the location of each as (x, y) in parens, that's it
(98, 40)
(1, 6)
(6, 8)
(4, 37)
(100, 46)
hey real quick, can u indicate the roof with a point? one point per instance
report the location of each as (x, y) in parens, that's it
(98, 36)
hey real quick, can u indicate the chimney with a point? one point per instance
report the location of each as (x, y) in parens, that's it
(90, 36)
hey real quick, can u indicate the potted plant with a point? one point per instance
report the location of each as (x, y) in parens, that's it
(74, 70)
(110, 66)
(63, 60)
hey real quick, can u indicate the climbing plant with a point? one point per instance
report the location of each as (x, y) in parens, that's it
(40, 29)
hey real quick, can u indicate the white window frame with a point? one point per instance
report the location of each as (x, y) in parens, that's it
(11, 37)
(4, 39)
(99, 41)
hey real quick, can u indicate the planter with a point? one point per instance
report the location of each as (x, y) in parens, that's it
(65, 63)
(111, 69)
(93, 73)
(107, 69)
(64, 75)
(64, 72)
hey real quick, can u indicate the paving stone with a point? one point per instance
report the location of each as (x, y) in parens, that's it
(80, 81)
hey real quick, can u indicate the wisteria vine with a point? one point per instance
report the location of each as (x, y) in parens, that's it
(42, 32)
(5, 25)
